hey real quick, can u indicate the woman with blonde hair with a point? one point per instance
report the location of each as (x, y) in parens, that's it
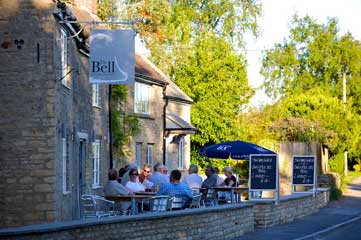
(230, 180)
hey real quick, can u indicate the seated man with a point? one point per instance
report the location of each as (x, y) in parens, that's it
(174, 187)
(114, 188)
(193, 180)
(211, 180)
(144, 177)
(157, 178)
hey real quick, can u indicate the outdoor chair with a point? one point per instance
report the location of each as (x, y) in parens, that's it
(93, 206)
(195, 190)
(178, 203)
(227, 197)
(196, 201)
(209, 198)
(160, 203)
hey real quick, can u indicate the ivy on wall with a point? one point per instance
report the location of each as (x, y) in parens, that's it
(124, 126)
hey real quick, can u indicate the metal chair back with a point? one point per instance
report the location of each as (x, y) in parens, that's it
(93, 206)
(196, 201)
(195, 190)
(178, 202)
(209, 198)
(160, 203)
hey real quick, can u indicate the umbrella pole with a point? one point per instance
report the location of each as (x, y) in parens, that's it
(237, 173)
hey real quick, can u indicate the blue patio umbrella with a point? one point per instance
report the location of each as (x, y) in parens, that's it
(238, 150)
(233, 149)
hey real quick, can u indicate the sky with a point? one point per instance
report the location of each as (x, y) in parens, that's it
(277, 14)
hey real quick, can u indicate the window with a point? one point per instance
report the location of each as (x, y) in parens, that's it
(65, 163)
(96, 163)
(137, 154)
(142, 92)
(180, 153)
(150, 154)
(96, 95)
(64, 58)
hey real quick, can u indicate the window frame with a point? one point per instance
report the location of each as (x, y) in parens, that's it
(138, 150)
(142, 95)
(181, 153)
(149, 156)
(64, 65)
(65, 158)
(96, 96)
(96, 145)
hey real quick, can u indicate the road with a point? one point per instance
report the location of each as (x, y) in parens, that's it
(339, 220)
(349, 232)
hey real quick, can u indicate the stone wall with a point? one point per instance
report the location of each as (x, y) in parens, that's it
(222, 222)
(36, 108)
(151, 127)
(183, 110)
(285, 153)
(289, 208)
(27, 113)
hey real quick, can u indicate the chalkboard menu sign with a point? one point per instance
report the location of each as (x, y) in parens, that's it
(303, 170)
(263, 172)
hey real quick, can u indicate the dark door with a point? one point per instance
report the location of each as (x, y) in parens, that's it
(81, 177)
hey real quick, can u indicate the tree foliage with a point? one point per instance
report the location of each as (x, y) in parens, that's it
(314, 56)
(106, 10)
(196, 43)
(305, 73)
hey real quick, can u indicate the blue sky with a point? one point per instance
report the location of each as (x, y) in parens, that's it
(277, 15)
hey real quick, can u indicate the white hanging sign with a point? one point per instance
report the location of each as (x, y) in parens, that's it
(111, 56)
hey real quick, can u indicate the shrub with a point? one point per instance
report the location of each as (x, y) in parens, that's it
(357, 167)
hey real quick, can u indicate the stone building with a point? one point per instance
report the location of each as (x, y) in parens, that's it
(54, 124)
(164, 113)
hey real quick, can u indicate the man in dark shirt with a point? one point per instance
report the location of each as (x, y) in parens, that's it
(211, 180)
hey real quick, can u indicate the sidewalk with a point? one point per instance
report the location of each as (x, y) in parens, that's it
(335, 215)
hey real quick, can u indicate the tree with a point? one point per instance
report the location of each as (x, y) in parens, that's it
(170, 27)
(305, 74)
(195, 42)
(106, 10)
(314, 55)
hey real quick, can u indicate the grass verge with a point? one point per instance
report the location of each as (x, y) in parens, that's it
(337, 193)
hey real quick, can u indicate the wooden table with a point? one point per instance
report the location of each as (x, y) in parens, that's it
(133, 200)
(232, 190)
(145, 193)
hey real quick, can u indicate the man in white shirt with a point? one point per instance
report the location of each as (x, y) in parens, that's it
(113, 188)
(193, 180)
(157, 178)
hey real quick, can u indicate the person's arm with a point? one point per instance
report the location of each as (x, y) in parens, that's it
(184, 180)
(148, 184)
(212, 181)
(232, 181)
(188, 191)
(162, 190)
(123, 190)
(220, 184)
(205, 184)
